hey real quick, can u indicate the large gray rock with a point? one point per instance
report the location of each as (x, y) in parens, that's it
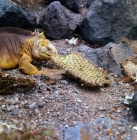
(58, 22)
(89, 131)
(73, 5)
(89, 2)
(13, 15)
(110, 56)
(109, 20)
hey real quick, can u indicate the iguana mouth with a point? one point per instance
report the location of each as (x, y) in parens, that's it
(51, 54)
(48, 54)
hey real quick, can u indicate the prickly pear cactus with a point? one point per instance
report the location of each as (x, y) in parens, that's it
(79, 67)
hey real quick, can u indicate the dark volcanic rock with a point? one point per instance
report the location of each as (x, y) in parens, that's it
(58, 22)
(73, 5)
(89, 2)
(13, 15)
(107, 21)
(134, 105)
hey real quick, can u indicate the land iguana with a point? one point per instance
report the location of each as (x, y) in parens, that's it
(18, 48)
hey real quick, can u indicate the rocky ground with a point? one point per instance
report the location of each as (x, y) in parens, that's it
(61, 103)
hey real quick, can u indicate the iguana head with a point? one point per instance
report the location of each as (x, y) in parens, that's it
(44, 49)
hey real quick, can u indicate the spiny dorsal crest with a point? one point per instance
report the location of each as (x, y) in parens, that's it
(39, 35)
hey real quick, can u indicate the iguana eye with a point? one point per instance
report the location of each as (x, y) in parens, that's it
(48, 49)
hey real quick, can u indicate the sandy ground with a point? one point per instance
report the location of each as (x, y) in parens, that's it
(62, 102)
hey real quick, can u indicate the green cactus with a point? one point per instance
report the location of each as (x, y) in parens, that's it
(79, 67)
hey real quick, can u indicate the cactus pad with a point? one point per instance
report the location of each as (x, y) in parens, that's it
(79, 67)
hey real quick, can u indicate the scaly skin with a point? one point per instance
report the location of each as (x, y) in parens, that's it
(18, 48)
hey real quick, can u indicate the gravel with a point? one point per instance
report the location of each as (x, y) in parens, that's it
(63, 103)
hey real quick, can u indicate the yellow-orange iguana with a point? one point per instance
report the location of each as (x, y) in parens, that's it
(18, 48)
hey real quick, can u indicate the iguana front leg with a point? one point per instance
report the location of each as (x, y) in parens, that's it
(25, 65)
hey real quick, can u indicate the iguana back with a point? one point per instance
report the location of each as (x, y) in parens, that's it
(11, 45)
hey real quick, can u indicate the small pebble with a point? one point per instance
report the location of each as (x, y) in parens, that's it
(41, 104)
(82, 48)
(102, 109)
(15, 112)
(32, 105)
(135, 128)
